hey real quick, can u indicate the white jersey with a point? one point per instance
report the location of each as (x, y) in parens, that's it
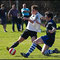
(34, 26)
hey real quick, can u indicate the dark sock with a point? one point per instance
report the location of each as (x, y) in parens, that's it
(15, 44)
(39, 47)
(53, 51)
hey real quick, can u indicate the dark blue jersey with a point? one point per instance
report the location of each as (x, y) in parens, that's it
(49, 26)
(2, 13)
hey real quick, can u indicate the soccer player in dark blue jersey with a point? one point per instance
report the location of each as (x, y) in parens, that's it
(47, 40)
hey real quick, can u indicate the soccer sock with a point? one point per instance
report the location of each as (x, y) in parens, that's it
(15, 44)
(31, 49)
(49, 52)
(39, 47)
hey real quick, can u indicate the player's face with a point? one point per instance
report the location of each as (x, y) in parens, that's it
(24, 6)
(46, 17)
(13, 6)
(2, 7)
(33, 11)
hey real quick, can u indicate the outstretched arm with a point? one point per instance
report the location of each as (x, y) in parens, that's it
(40, 24)
(28, 19)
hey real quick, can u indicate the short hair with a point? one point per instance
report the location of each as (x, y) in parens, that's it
(49, 14)
(46, 12)
(24, 4)
(13, 4)
(2, 5)
(34, 7)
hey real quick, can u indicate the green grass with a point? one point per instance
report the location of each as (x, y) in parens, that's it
(7, 39)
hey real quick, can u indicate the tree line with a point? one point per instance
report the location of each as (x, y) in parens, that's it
(47, 5)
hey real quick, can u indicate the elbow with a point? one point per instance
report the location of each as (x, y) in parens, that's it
(32, 22)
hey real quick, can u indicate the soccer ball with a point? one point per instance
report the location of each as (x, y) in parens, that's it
(12, 51)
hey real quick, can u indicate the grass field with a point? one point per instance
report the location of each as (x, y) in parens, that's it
(8, 38)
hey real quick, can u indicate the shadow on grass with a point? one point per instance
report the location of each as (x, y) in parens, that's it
(57, 56)
(41, 56)
(18, 56)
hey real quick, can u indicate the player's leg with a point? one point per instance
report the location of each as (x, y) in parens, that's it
(46, 51)
(13, 26)
(4, 27)
(18, 27)
(22, 25)
(17, 23)
(45, 47)
(26, 22)
(38, 46)
(16, 43)
(21, 39)
(33, 37)
(3, 22)
(33, 46)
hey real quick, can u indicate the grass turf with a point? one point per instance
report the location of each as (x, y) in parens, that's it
(8, 38)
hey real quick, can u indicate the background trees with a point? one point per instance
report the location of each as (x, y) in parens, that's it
(53, 6)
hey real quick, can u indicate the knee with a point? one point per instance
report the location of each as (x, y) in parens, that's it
(42, 52)
(34, 42)
(45, 53)
(21, 39)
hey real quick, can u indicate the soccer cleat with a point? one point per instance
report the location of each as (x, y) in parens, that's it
(56, 50)
(5, 31)
(8, 48)
(24, 55)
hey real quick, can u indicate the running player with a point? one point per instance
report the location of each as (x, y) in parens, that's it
(32, 27)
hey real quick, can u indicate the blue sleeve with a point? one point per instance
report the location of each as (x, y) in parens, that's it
(27, 9)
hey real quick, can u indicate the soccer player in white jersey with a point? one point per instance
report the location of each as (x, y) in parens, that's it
(32, 27)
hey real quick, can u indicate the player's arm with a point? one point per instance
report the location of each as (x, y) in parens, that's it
(40, 23)
(28, 19)
(42, 18)
(26, 11)
(9, 14)
(53, 30)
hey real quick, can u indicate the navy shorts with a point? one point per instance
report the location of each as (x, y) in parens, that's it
(28, 33)
(48, 40)
(3, 21)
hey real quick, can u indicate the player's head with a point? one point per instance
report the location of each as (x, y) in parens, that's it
(24, 5)
(34, 9)
(49, 15)
(2, 6)
(13, 6)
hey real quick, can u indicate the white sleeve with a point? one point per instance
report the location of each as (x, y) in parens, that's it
(22, 10)
(41, 15)
(38, 18)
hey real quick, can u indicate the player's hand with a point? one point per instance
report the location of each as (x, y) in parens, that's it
(9, 18)
(24, 18)
(50, 31)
